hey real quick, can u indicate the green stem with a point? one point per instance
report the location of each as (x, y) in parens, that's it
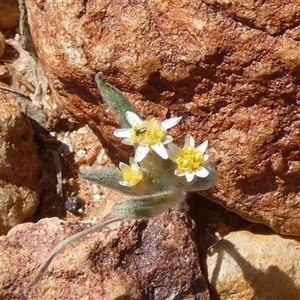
(43, 267)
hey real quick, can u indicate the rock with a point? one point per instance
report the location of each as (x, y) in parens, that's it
(230, 69)
(2, 44)
(273, 17)
(249, 265)
(19, 165)
(155, 259)
(9, 14)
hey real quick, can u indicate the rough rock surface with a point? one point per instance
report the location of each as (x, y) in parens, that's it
(155, 259)
(9, 14)
(19, 165)
(248, 265)
(2, 44)
(230, 69)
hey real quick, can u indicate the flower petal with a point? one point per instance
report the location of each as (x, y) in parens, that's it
(167, 124)
(123, 166)
(133, 164)
(168, 139)
(140, 153)
(127, 141)
(189, 141)
(203, 146)
(202, 172)
(124, 183)
(122, 133)
(179, 173)
(160, 150)
(173, 151)
(132, 118)
(189, 176)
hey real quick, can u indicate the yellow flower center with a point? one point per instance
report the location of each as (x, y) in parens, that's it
(131, 176)
(190, 159)
(148, 133)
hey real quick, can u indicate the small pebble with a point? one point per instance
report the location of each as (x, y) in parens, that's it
(81, 153)
(97, 197)
(74, 205)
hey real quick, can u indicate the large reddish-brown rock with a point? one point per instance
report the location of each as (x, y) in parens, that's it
(155, 259)
(230, 69)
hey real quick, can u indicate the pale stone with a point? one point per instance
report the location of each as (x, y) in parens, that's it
(252, 266)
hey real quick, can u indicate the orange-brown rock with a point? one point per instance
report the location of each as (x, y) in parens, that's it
(230, 69)
(9, 14)
(19, 165)
(2, 44)
(155, 259)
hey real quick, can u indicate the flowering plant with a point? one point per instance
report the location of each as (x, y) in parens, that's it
(159, 174)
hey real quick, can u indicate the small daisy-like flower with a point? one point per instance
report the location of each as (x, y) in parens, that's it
(189, 159)
(146, 135)
(132, 174)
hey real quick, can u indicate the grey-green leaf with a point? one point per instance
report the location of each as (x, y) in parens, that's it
(115, 100)
(147, 206)
(107, 177)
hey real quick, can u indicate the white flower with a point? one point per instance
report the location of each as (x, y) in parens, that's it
(189, 159)
(132, 174)
(146, 135)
